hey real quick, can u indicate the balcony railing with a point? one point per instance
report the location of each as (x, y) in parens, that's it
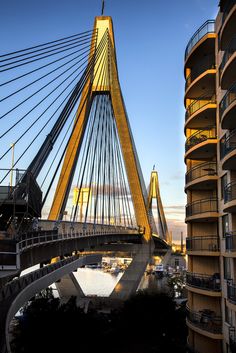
(200, 136)
(201, 170)
(197, 105)
(228, 143)
(206, 320)
(201, 206)
(202, 243)
(207, 63)
(229, 97)
(230, 241)
(205, 282)
(230, 192)
(229, 51)
(231, 291)
(207, 27)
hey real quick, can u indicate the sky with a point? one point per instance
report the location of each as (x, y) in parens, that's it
(151, 37)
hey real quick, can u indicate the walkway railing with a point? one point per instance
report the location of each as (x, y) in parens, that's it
(200, 170)
(9, 258)
(200, 136)
(197, 105)
(228, 143)
(229, 97)
(202, 206)
(208, 63)
(231, 291)
(230, 241)
(206, 320)
(230, 192)
(207, 27)
(203, 243)
(204, 281)
(229, 51)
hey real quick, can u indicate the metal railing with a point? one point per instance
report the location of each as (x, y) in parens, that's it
(200, 136)
(230, 192)
(202, 206)
(207, 27)
(228, 143)
(231, 291)
(207, 63)
(9, 260)
(206, 320)
(204, 281)
(197, 105)
(230, 241)
(203, 243)
(229, 51)
(200, 170)
(229, 98)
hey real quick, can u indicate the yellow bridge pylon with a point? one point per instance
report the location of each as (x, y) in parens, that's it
(106, 68)
(154, 193)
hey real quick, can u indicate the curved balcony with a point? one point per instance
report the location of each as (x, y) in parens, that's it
(207, 28)
(228, 151)
(231, 291)
(230, 197)
(201, 112)
(204, 282)
(202, 176)
(228, 108)
(203, 246)
(228, 65)
(228, 23)
(205, 210)
(201, 144)
(202, 75)
(230, 241)
(205, 320)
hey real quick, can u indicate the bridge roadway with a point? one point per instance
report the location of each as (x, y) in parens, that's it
(46, 243)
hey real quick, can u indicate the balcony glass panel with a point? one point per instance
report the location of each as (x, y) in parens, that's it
(228, 143)
(202, 281)
(207, 63)
(197, 105)
(201, 206)
(229, 51)
(229, 97)
(200, 136)
(200, 170)
(206, 320)
(207, 27)
(202, 243)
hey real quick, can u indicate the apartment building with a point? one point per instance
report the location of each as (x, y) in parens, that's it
(210, 157)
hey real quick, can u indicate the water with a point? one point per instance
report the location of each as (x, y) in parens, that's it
(96, 281)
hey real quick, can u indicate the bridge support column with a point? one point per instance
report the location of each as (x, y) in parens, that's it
(68, 286)
(129, 282)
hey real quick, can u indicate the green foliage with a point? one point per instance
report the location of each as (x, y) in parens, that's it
(147, 323)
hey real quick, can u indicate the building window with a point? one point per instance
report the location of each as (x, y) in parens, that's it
(227, 268)
(223, 180)
(225, 225)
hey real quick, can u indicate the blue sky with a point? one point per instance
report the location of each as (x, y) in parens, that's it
(151, 37)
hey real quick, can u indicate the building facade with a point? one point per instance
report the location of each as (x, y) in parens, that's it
(210, 157)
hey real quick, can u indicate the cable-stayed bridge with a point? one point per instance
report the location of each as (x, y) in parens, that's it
(70, 178)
